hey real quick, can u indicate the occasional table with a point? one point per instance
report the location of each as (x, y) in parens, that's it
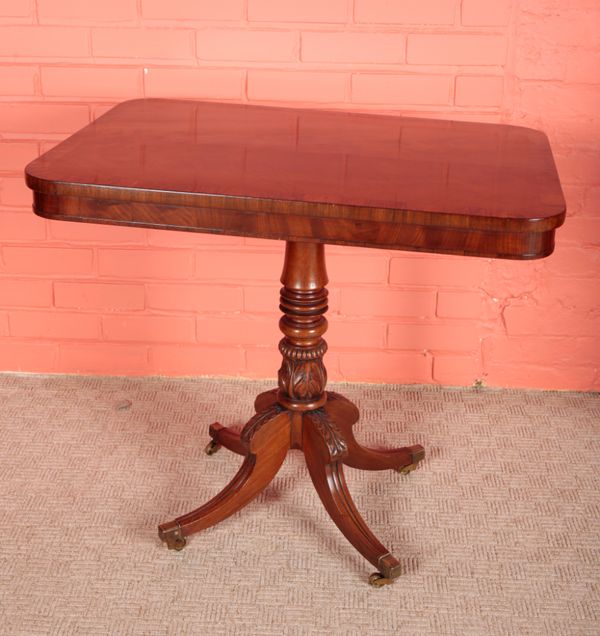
(309, 178)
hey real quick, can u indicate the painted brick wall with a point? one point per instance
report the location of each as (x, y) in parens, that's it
(94, 299)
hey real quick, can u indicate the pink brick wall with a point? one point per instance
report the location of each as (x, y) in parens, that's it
(94, 299)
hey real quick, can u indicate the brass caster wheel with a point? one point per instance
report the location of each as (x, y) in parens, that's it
(172, 536)
(378, 580)
(178, 543)
(405, 470)
(417, 453)
(212, 447)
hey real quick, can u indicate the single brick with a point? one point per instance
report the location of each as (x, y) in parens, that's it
(53, 325)
(332, 11)
(108, 296)
(194, 82)
(240, 266)
(193, 9)
(455, 49)
(353, 48)
(384, 366)
(196, 360)
(561, 351)
(453, 271)
(14, 192)
(61, 11)
(422, 12)
(18, 292)
(379, 88)
(463, 336)
(15, 155)
(196, 298)
(296, 86)
(387, 302)
(92, 81)
(263, 299)
(238, 330)
(247, 45)
(459, 304)
(532, 320)
(154, 43)
(358, 334)
(457, 370)
(43, 118)
(148, 328)
(573, 378)
(43, 41)
(28, 356)
(21, 226)
(46, 260)
(485, 12)
(357, 268)
(78, 233)
(17, 80)
(103, 358)
(148, 264)
(474, 90)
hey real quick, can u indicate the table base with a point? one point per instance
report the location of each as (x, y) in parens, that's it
(325, 436)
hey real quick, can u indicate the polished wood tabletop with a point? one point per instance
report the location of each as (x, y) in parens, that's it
(301, 174)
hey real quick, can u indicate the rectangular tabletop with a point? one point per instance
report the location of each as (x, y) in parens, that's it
(301, 174)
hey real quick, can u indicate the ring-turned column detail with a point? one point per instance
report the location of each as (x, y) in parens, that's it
(302, 376)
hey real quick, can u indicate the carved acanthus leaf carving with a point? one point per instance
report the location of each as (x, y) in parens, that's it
(330, 433)
(302, 380)
(258, 421)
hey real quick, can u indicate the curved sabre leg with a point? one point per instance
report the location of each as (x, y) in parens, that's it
(345, 415)
(404, 460)
(267, 437)
(325, 450)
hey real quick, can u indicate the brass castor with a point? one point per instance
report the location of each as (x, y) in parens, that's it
(405, 470)
(172, 536)
(417, 455)
(378, 580)
(212, 447)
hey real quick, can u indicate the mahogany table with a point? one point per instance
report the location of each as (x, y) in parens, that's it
(309, 178)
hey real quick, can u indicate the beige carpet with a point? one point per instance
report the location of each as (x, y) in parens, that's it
(498, 531)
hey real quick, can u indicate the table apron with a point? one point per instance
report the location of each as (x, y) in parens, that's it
(293, 227)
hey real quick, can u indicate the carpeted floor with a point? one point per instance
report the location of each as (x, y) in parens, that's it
(498, 531)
